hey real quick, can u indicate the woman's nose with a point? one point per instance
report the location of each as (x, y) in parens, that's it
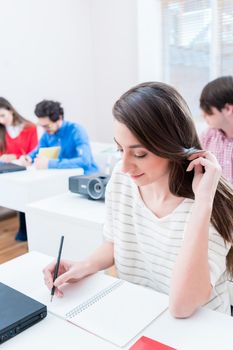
(126, 164)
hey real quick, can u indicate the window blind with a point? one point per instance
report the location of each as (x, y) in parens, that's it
(197, 44)
(225, 8)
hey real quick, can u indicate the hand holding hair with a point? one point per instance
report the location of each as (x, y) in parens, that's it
(207, 172)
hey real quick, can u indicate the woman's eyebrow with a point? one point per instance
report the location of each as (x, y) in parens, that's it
(131, 146)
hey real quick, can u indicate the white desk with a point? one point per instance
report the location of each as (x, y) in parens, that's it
(55, 334)
(22, 187)
(78, 218)
(205, 330)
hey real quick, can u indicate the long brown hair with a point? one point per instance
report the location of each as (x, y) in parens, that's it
(160, 119)
(17, 119)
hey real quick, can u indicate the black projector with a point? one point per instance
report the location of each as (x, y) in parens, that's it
(92, 186)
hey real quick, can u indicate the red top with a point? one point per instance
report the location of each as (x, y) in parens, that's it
(24, 143)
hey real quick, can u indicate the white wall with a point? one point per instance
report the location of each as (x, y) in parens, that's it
(114, 33)
(83, 53)
(127, 49)
(114, 29)
(46, 53)
(149, 36)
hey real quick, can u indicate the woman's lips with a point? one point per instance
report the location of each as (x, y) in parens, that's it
(135, 177)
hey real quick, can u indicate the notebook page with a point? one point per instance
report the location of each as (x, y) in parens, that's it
(74, 294)
(50, 152)
(117, 316)
(120, 315)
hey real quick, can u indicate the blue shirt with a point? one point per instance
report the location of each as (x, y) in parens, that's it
(75, 149)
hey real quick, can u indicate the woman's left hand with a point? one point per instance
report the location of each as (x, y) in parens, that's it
(207, 172)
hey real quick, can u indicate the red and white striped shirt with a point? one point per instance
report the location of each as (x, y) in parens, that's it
(215, 141)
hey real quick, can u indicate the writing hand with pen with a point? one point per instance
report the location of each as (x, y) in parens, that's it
(25, 160)
(60, 272)
(68, 272)
(41, 162)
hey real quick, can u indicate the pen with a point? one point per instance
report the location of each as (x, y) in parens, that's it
(57, 267)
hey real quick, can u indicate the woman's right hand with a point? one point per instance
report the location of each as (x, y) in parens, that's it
(25, 160)
(69, 272)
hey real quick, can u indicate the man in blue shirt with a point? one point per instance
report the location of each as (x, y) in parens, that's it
(75, 151)
(72, 140)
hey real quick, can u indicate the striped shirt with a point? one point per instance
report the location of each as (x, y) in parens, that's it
(215, 141)
(146, 247)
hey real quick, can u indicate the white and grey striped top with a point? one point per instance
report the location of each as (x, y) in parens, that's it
(146, 247)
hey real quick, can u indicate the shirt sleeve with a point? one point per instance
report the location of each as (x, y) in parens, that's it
(82, 159)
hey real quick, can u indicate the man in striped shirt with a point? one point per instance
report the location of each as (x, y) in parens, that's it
(216, 102)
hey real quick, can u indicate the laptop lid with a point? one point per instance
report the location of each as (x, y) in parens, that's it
(10, 167)
(17, 312)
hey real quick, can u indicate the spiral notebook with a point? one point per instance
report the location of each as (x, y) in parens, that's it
(112, 309)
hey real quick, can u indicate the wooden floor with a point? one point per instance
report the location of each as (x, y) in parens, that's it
(9, 247)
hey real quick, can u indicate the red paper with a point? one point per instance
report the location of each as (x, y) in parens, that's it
(145, 343)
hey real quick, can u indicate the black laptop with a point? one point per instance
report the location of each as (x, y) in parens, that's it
(17, 312)
(10, 167)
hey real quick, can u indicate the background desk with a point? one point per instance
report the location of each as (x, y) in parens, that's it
(78, 218)
(22, 187)
(203, 331)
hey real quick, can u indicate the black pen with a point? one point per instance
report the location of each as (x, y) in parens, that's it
(57, 267)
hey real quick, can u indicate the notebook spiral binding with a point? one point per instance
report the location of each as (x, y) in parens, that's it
(89, 302)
